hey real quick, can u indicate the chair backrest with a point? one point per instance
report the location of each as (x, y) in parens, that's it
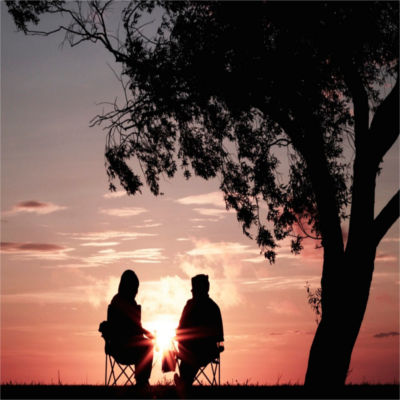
(115, 372)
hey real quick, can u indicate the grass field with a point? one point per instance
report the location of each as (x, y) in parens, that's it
(13, 391)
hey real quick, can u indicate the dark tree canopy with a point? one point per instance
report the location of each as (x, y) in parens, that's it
(222, 85)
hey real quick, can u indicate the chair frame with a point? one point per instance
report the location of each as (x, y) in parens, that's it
(112, 373)
(215, 366)
(111, 378)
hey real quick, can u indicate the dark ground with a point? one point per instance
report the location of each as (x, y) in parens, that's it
(10, 391)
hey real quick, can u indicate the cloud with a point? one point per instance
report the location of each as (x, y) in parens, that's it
(206, 248)
(109, 235)
(33, 206)
(386, 334)
(382, 257)
(256, 260)
(45, 251)
(149, 225)
(204, 219)
(391, 240)
(72, 266)
(149, 256)
(12, 247)
(223, 288)
(95, 292)
(166, 296)
(123, 211)
(282, 282)
(99, 244)
(212, 212)
(214, 198)
(221, 263)
(115, 195)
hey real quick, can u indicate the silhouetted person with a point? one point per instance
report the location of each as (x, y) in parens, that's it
(130, 342)
(199, 332)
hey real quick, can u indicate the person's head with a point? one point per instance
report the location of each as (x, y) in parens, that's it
(200, 285)
(129, 284)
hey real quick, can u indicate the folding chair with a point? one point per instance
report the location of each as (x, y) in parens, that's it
(114, 370)
(213, 368)
(211, 371)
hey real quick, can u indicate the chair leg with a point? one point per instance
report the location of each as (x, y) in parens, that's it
(216, 373)
(105, 377)
(112, 376)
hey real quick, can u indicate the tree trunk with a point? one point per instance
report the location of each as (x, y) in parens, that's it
(345, 301)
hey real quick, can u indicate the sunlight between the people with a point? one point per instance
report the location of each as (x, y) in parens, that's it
(164, 330)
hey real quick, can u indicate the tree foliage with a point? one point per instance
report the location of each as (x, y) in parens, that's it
(222, 88)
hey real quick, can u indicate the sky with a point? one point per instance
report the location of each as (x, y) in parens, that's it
(66, 240)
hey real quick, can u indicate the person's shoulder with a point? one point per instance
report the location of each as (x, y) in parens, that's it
(212, 303)
(118, 301)
(115, 300)
(189, 303)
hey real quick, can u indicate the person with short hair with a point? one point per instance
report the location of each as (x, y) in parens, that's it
(199, 332)
(130, 342)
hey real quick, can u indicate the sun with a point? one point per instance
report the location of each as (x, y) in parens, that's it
(164, 330)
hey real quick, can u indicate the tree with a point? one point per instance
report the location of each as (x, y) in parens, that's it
(221, 86)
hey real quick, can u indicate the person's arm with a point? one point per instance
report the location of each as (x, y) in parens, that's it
(181, 330)
(219, 326)
(147, 333)
(219, 330)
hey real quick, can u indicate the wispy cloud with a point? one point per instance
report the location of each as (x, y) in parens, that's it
(34, 206)
(109, 235)
(148, 255)
(77, 265)
(206, 248)
(391, 240)
(256, 260)
(214, 198)
(123, 211)
(212, 212)
(115, 195)
(100, 244)
(149, 225)
(382, 257)
(204, 219)
(223, 287)
(283, 282)
(94, 291)
(386, 334)
(166, 296)
(221, 263)
(46, 251)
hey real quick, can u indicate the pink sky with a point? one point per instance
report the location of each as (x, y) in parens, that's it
(66, 241)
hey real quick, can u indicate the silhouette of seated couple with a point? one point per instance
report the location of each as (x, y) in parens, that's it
(199, 332)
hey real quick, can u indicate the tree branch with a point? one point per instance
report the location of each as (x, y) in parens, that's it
(360, 102)
(385, 124)
(386, 218)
